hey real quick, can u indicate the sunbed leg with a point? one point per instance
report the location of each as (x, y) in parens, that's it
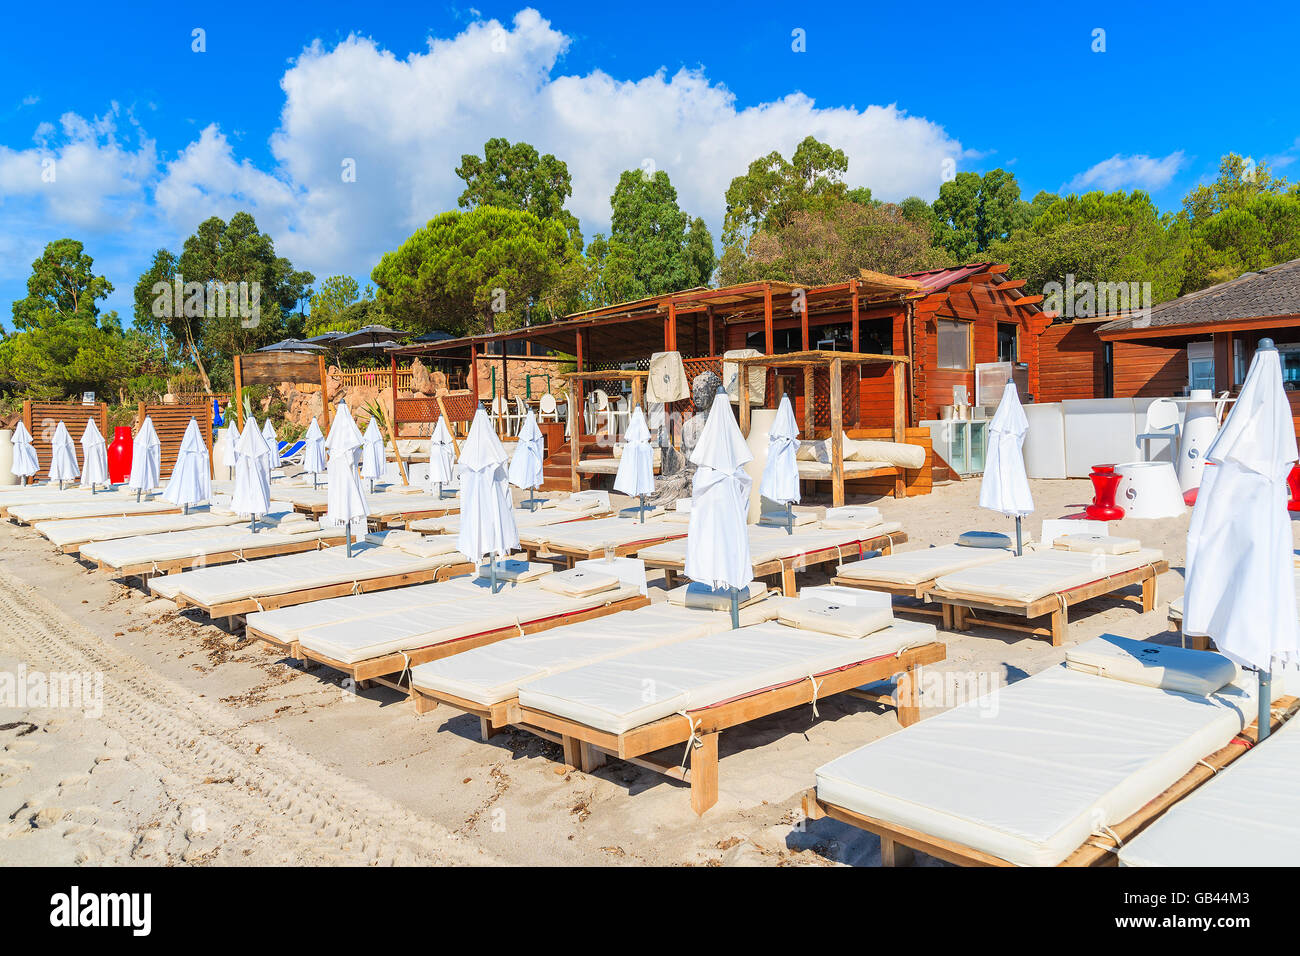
(958, 617)
(486, 730)
(894, 854)
(1058, 627)
(788, 586)
(572, 752)
(907, 702)
(1149, 593)
(670, 578)
(945, 613)
(423, 704)
(704, 774)
(591, 758)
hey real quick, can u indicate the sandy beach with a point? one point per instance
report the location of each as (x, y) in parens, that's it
(213, 750)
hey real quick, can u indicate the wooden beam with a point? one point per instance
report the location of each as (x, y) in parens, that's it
(576, 399)
(854, 339)
(837, 433)
(742, 391)
(238, 397)
(713, 348)
(1025, 300)
(900, 425)
(809, 384)
(803, 325)
(769, 341)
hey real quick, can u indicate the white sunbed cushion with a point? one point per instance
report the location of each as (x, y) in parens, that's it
(1029, 774)
(639, 688)
(703, 597)
(600, 533)
(488, 675)
(852, 516)
(1096, 544)
(515, 571)
(781, 519)
(1152, 665)
(578, 503)
(842, 620)
(578, 582)
(105, 505)
(1245, 816)
(841, 594)
(285, 624)
(414, 628)
(916, 567)
(1028, 577)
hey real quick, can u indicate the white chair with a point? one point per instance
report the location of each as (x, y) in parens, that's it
(1163, 418)
(546, 409)
(521, 412)
(499, 414)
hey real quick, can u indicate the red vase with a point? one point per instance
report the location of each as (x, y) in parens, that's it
(119, 455)
(1104, 484)
(1293, 482)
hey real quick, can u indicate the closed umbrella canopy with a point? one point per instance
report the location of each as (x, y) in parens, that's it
(717, 539)
(345, 501)
(1005, 486)
(146, 458)
(313, 450)
(252, 494)
(526, 463)
(272, 443)
(233, 437)
(191, 478)
(780, 482)
(94, 456)
(636, 469)
(63, 455)
(1240, 582)
(25, 463)
(442, 454)
(487, 519)
(372, 452)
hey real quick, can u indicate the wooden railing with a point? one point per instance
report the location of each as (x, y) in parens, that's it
(375, 377)
(193, 398)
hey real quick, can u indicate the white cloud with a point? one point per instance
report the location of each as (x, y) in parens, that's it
(1129, 172)
(405, 121)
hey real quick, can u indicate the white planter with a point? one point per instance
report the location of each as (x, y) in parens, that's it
(1149, 489)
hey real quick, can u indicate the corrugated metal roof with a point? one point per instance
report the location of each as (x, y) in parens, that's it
(936, 279)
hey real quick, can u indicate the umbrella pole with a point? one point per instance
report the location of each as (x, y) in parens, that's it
(1019, 542)
(789, 517)
(735, 609)
(1264, 720)
(641, 508)
(492, 572)
(185, 509)
(347, 537)
(137, 495)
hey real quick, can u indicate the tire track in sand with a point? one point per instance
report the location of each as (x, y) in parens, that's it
(246, 781)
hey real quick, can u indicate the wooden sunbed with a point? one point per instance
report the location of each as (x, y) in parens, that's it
(897, 842)
(963, 609)
(537, 547)
(786, 567)
(380, 669)
(587, 748)
(147, 569)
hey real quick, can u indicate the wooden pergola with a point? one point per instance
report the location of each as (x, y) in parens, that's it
(834, 361)
(575, 380)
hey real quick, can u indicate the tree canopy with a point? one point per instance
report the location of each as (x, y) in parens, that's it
(514, 176)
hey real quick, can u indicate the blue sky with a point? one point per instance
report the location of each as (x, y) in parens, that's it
(149, 137)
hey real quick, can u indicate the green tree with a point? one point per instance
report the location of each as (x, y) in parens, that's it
(975, 211)
(653, 246)
(467, 272)
(63, 344)
(773, 189)
(332, 302)
(514, 176)
(235, 293)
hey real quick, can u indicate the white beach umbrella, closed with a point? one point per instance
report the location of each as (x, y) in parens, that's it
(272, 443)
(313, 451)
(373, 457)
(717, 538)
(1240, 586)
(345, 500)
(780, 481)
(146, 459)
(442, 455)
(1005, 486)
(252, 494)
(25, 462)
(526, 463)
(636, 469)
(63, 456)
(487, 520)
(94, 457)
(190, 482)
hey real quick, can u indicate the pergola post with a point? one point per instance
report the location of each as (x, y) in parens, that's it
(670, 328)
(713, 348)
(576, 399)
(853, 330)
(900, 423)
(238, 398)
(837, 435)
(769, 339)
(473, 371)
(742, 390)
(803, 323)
